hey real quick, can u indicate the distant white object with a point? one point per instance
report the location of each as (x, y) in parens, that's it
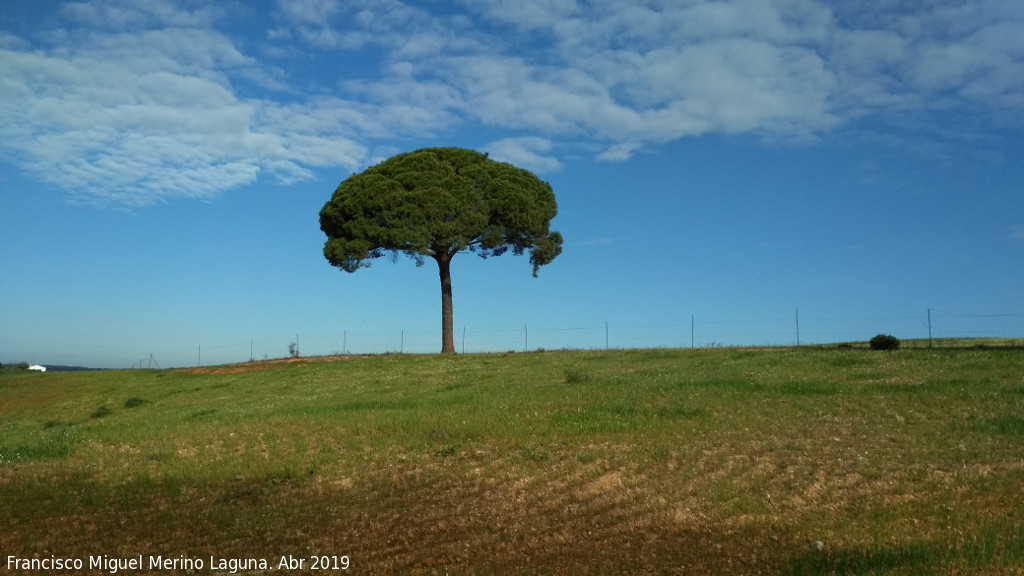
(37, 368)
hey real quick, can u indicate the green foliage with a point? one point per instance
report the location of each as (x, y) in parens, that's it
(884, 342)
(435, 203)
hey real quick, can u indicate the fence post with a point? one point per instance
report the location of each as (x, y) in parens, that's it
(929, 328)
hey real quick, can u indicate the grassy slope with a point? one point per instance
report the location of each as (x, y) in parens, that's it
(640, 462)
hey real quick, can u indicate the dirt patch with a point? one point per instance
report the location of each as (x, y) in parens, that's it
(262, 365)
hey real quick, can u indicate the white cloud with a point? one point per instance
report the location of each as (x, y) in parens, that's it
(314, 12)
(124, 15)
(622, 72)
(942, 55)
(11, 41)
(781, 22)
(160, 122)
(139, 103)
(509, 92)
(736, 85)
(526, 152)
(354, 24)
(619, 152)
(527, 14)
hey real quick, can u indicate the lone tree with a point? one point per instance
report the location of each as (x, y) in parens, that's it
(435, 203)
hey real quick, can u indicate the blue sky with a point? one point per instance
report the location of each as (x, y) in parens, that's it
(718, 165)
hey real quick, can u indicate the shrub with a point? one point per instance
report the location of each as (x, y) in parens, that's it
(884, 342)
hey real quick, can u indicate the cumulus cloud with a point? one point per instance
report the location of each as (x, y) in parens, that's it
(139, 103)
(137, 119)
(942, 55)
(120, 15)
(528, 14)
(315, 12)
(527, 152)
(355, 24)
(619, 152)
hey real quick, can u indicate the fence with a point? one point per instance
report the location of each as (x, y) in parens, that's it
(929, 327)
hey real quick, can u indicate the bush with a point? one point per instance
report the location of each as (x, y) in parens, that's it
(885, 342)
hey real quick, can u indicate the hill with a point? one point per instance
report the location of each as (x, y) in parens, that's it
(722, 461)
(54, 368)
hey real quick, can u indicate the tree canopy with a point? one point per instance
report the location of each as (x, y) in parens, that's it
(437, 202)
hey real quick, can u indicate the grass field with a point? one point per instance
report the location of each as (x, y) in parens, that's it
(722, 461)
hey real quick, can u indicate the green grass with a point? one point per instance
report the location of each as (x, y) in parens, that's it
(722, 461)
(940, 344)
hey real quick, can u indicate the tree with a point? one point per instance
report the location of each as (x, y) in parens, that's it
(435, 203)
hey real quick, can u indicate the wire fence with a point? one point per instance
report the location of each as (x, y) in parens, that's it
(930, 328)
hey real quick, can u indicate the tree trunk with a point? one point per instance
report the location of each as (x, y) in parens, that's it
(447, 318)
